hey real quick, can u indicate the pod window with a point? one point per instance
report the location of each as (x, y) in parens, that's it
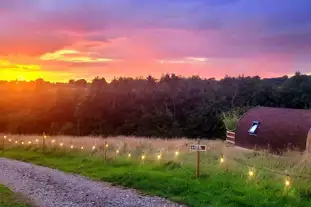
(253, 129)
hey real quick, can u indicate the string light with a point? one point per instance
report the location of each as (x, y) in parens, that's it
(251, 173)
(287, 182)
(222, 159)
(44, 136)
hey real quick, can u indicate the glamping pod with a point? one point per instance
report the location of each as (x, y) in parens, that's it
(275, 129)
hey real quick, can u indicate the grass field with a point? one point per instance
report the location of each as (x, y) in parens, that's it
(9, 199)
(225, 183)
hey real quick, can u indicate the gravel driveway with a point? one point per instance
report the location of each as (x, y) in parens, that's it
(52, 188)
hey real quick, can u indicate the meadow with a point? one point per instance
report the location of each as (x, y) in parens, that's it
(230, 176)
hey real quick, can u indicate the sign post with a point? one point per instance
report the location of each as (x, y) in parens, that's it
(198, 148)
(198, 161)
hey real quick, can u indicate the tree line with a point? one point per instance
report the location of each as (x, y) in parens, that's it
(172, 106)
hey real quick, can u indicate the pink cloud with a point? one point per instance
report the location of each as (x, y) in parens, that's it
(146, 33)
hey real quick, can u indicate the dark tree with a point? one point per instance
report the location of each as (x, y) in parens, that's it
(172, 106)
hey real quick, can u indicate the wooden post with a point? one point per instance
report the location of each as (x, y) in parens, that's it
(43, 142)
(143, 157)
(105, 152)
(198, 162)
(3, 138)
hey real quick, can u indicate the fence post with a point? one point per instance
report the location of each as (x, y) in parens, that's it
(3, 142)
(43, 142)
(198, 162)
(105, 151)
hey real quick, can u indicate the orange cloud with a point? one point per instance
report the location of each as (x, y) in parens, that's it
(27, 72)
(10, 71)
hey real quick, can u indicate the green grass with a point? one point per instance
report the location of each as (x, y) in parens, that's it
(9, 199)
(218, 186)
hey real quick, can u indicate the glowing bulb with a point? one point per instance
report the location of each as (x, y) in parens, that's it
(117, 151)
(93, 148)
(71, 146)
(177, 153)
(107, 145)
(37, 140)
(82, 148)
(129, 155)
(287, 182)
(250, 173)
(16, 142)
(22, 142)
(10, 140)
(4, 137)
(53, 141)
(61, 144)
(29, 142)
(143, 157)
(222, 160)
(44, 137)
(159, 157)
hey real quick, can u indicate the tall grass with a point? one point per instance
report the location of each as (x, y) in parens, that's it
(292, 160)
(173, 177)
(230, 120)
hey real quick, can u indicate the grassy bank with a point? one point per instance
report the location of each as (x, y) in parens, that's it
(224, 184)
(9, 199)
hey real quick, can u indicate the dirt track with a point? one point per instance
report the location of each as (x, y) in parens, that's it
(51, 188)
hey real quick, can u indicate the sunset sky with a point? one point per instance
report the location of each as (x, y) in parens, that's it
(60, 40)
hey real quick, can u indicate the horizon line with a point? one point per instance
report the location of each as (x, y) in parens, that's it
(89, 80)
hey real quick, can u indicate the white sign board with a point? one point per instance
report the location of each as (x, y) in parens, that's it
(198, 147)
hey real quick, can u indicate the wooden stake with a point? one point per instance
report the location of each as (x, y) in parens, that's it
(43, 142)
(105, 152)
(198, 162)
(3, 143)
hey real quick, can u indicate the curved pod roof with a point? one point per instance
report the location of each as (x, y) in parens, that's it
(278, 129)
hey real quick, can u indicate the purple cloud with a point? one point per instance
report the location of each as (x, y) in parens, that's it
(164, 29)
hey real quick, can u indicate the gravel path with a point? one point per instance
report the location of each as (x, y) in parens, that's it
(52, 188)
